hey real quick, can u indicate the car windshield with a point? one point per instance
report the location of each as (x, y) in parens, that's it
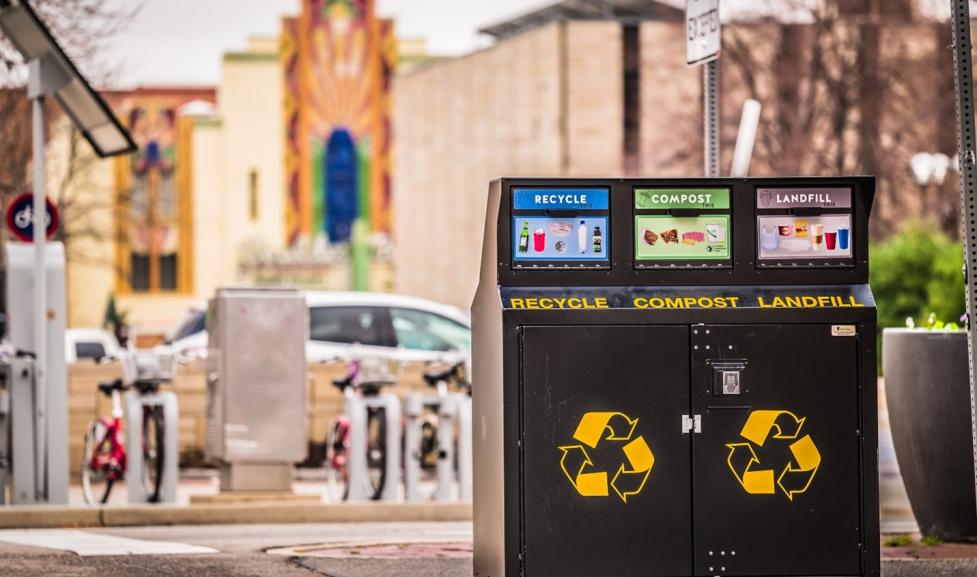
(421, 330)
(363, 325)
(89, 350)
(195, 322)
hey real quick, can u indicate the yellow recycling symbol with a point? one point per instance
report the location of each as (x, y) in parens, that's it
(630, 476)
(758, 479)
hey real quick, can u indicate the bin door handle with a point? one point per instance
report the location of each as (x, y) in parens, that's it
(691, 424)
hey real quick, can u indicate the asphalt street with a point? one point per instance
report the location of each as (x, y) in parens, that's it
(241, 552)
(331, 550)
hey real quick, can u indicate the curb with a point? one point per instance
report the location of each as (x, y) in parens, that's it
(49, 517)
(929, 567)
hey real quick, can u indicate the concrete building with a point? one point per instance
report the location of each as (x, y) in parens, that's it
(550, 98)
(195, 201)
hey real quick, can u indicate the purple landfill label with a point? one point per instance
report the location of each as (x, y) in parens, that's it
(803, 198)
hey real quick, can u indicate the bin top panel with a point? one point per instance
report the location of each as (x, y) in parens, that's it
(561, 232)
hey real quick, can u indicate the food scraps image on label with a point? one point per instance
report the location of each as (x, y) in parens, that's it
(664, 238)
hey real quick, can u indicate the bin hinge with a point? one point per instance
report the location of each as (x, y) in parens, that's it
(691, 424)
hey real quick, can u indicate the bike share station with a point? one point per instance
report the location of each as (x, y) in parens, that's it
(454, 412)
(362, 398)
(676, 377)
(144, 372)
(34, 421)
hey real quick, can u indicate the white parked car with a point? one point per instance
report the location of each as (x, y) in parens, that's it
(397, 327)
(91, 344)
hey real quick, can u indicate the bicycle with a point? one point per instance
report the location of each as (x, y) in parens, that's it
(366, 377)
(437, 445)
(105, 457)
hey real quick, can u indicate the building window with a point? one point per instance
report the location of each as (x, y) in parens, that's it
(153, 210)
(253, 194)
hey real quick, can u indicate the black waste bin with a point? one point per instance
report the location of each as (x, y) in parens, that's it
(675, 377)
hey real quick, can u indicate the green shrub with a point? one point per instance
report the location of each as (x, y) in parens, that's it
(916, 273)
(898, 541)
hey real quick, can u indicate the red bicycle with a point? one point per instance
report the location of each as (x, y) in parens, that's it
(105, 454)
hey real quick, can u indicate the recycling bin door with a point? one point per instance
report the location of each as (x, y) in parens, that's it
(606, 468)
(776, 466)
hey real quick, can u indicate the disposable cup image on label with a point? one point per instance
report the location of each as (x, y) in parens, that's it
(787, 237)
(664, 238)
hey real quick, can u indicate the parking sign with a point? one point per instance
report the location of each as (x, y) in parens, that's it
(702, 31)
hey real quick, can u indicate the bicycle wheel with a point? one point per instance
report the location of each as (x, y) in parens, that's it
(336, 461)
(97, 475)
(153, 451)
(376, 451)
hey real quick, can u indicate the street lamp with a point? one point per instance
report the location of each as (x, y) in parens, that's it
(51, 73)
(930, 167)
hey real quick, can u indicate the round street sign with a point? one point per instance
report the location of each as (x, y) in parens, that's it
(20, 217)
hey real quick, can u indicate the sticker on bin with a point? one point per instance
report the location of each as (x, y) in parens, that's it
(560, 239)
(785, 198)
(559, 199)
(681, 238)
(792, 473)
(816, 237)
(681, 198)
(626, 476)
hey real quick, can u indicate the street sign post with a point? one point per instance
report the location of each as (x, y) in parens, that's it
(703, 45)
(21, 218)
(703, 40)
(967, 149)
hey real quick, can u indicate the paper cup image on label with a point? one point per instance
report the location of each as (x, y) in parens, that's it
(816, 237)
(664, 238)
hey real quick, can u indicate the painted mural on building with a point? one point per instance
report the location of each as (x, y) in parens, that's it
(337, 59)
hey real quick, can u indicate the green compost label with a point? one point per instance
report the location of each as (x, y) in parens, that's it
(683, 198)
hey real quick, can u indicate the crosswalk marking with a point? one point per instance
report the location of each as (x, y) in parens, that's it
(88, 544)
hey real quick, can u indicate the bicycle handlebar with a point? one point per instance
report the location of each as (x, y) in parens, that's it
(454, 373)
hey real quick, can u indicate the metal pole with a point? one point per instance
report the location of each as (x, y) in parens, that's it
(745, 138)
(710, 117)
(963, 80)
(40, 292)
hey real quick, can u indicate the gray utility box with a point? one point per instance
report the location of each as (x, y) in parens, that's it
(256, 386)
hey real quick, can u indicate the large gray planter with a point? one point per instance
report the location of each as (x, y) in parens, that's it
(928, 395)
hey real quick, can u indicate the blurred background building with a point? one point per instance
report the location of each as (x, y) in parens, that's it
(337, 156)
(597, 88)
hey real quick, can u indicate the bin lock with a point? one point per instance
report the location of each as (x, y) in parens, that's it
(728, 378)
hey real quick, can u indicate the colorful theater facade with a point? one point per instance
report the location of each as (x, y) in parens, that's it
(337, 60)
(229, 188)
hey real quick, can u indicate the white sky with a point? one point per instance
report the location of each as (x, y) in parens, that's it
(180, 42)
